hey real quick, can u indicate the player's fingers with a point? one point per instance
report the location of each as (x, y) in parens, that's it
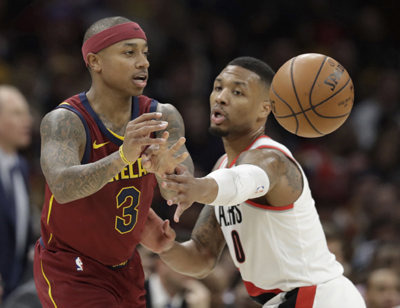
(165, 135)
(145, 128)
(175, 200)
(151, 150)
(175, 148)
(171, 178)
(147, 141)
(131, 127)
(179, 211)
(181, 158)
(180, 169)
(146, 117)
(176, 217)
(146, 164)
(171, 185)
(168, 231)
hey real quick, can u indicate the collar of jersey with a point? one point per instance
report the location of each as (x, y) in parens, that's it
(113, 137)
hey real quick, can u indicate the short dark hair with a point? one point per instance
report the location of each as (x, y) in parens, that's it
(262, 69)
(104, 24)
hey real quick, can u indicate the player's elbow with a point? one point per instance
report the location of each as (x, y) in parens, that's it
(60, 194)
(208, 263)
(204, 273)
(60, 199)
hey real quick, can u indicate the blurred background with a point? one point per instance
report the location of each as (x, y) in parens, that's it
(354, 173)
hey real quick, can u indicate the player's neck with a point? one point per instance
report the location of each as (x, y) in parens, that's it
(235, 145)
(115, 107)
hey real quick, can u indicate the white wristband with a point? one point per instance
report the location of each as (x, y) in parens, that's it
(239, 184)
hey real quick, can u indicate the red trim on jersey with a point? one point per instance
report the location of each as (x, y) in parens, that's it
(222, 161)
(270, 207)
(275, 148)
(234, 161)
(256, 291)
(305, 297)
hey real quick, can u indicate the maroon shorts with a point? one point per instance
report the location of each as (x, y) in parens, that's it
(66, 279)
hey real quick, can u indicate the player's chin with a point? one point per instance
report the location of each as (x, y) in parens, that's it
(218, 131)
(136, 91)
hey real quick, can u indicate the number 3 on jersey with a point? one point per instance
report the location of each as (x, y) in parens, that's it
(128, 198)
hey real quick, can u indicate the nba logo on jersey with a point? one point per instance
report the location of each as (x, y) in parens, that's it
(260, 189)
(79, 264)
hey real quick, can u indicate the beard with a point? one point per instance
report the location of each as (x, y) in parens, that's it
(216, 131)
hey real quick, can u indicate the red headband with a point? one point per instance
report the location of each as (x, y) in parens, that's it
(111, 36)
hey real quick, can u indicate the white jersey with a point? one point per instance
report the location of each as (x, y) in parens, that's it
(277, 249)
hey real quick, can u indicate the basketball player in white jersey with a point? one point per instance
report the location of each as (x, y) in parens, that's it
(258, 202)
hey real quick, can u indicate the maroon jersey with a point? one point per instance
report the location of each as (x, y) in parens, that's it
(105, 226)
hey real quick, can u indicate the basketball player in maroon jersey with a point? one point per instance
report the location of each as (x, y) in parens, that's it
(98, 193)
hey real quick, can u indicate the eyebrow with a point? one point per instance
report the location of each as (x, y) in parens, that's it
(135, 45)
(239, 83)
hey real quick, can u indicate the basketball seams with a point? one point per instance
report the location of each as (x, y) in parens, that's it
(324, 101)
(314, 106)
(315, 81)
(327, 94)
(297, 97)
(290, 107)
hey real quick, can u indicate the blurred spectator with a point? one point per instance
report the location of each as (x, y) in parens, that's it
(370, 114)
(15, 133)
(337, 246)
(25, 296)
(166, 288)
(383, 289)
(217, 282)
(387, 255)
(148, 260)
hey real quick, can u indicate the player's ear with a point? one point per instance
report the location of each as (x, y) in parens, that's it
(265, 108)
(94, 62)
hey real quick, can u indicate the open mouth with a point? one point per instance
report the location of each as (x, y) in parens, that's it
(217, 117)
(140, 80)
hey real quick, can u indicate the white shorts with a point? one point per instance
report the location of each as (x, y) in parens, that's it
(339, 292)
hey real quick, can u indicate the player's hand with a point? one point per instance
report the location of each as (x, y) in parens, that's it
(188, 189)
(159, 159)
(137, 134)
(157, 235)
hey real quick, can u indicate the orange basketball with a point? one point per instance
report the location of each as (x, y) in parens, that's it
(311, 95)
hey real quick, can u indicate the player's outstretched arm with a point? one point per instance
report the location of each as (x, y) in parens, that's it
(63, 141)
(257, 172)
(198, 256)
(164, 158)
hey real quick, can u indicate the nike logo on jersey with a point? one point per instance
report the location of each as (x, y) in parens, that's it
(97, 146)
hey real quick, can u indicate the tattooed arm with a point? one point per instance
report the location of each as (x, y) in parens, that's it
(63, 142)
(198, 256)
(285, 181)
(176, 130)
